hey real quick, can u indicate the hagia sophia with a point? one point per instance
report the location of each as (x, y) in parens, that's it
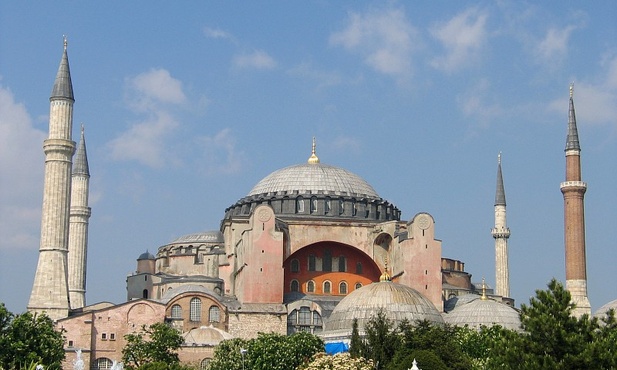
(311, 247)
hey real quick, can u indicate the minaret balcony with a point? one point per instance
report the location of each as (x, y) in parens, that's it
(574, 184)
(501, 233)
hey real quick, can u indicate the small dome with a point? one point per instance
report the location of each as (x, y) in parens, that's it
(203, 237)
(146, 256)
(205, 335)
(459, 300)
(398, 302)
(484, 312)
(602, 311)
(311, 178)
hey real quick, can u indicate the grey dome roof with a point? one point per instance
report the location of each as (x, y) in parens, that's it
(602, 311)
(458, 301)
(484, 312)
(398, 302)
(311, 178)
(203, 237)
(205, 335)
(146, 256)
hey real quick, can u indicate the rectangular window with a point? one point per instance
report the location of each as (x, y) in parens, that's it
(112, 336)
(104, 336)
(70, 343)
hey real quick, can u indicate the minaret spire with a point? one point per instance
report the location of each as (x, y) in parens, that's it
(50, 289)
(78, 225)
(501, 233)
(313, 158)
(573, 190)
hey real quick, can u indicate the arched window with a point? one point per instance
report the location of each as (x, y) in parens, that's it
(342, 288)
(359, 268)
(176, 311)
(203, 365)
(214, 314)
(299, 205)
(342, 264)
(102, 363)
(358, 285)
(304, 319)
(195, 313)
(295, 286)
(327, 206)
(144, 294)
(341, 206)
(310, 286)
(313, 204)
(295, 265)
(311, 262)
(327, 287)
(327, 260)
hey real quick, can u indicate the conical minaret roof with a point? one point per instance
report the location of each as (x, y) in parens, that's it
(63, 87)
(572, 140)
(80, 161)
(500, 194)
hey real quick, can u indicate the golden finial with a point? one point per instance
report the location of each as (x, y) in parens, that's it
(313, 158)
(571, 89)
(385, 276)
(484, 298)
(65, 42)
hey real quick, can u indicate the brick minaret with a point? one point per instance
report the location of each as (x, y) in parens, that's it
(501, 233)
(573, 190)
(50, 289)
(78, 226)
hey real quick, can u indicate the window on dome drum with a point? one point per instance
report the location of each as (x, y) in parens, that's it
(327, 260)
(203, 365)
(311, 262)
(304, 320)
(295, 286)
(313, 205)
(195, 310)
(327, 206)
(342, 264)
(144, 294)
(327, 287)
(342, 288)
(102, 363)
(176, 311)
(359, 268)
(341, 206)
(310, 286)
(214, 314)
(299, 205)
(358, 286)
(295, 265)
(354, 209)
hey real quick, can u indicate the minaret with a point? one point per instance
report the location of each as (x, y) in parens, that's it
(78, 225)
(50, 289)
(501, 233)
(573, 190)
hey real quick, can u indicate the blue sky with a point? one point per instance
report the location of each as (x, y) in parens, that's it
(187, 107)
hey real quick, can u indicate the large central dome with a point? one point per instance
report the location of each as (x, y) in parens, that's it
(311, 178)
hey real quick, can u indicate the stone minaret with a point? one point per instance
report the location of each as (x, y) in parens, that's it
(50, 292)
(78, 226)
(501, 233)
(573, 190)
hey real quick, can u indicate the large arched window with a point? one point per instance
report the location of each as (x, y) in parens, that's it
(359, 268)
(358, 286)
(195, 312)
(310, 286)
(102, 363)
(327, 287)
(311, 262)
(327, 260)
(299, 205)
(295, 286)
(342, 288)
(295, 265)
(342, 264)
(144, 294)
(176, 311)
(313, 205)
(203, 365)
(304, 319)
(214, 314)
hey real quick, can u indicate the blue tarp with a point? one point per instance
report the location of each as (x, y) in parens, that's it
(336, 347)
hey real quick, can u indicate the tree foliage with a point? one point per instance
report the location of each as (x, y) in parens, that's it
(269, 351)
(28, 339)
(156, 343)
(340, 361)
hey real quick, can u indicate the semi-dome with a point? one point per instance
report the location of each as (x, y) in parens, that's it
(313, 178)
(484, 312)
(205, 336)
(203, 237)
(397, 301)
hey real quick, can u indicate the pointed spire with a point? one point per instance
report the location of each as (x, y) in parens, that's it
(484, 297)
(63, 87)
(385, 276)
(313, 158)
(572, 140)
(500, 194)
(80, 162)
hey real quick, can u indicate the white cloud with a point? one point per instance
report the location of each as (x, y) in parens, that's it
(217, 33)
(322, 78)
(258, 59)
(463, 37)
(384, 38)
(154, 93)
(220, 154)
(21, 166)
(476, 102)
(554, 46)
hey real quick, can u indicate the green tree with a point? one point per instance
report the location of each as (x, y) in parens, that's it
(340, 361)
(229, 355)
(356, 345)
(381, 340)
(156, 343)
(28, 339)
